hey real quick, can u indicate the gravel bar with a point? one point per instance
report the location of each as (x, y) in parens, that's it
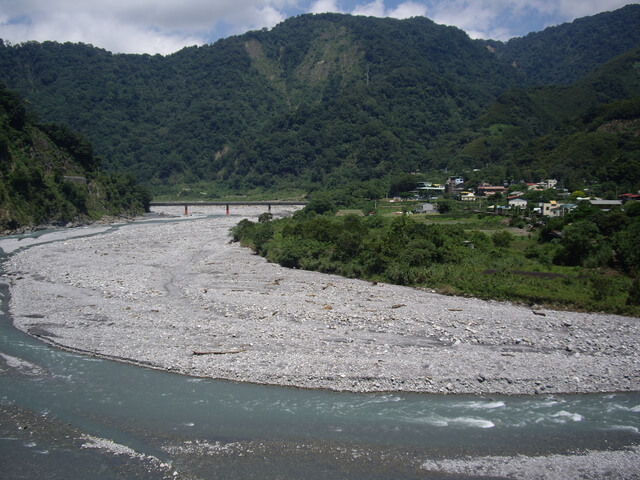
(179, 296)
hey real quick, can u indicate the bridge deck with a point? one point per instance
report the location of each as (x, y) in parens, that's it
(223, 203)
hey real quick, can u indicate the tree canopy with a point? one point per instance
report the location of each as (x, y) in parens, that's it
(49, 175)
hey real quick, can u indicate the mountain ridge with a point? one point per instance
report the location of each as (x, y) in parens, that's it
(562, 54)
(317, 101)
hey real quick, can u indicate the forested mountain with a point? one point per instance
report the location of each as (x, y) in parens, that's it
(49, 175)
(564, 54)
(215, 112)
(584, 134)
(318, 101)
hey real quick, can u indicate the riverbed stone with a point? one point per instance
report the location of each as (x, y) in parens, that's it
(155, 293)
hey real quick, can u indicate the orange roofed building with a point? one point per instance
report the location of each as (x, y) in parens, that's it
(488, 190)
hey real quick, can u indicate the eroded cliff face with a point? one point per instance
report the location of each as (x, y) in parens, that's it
(625, 127)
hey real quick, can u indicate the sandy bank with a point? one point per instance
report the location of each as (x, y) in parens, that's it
(178, 296)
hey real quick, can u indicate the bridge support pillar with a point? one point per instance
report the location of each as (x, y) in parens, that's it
(227, 209)
(186, 210)
(269, 208)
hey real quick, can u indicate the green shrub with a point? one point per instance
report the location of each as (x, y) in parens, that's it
(374, 221)
(241, 230)
(262, 233)
(479, 239)
(409, 252)
(627, 247)
(603, 287)
(502, 238)
(399, 273)
(265, 217)
(544, 253)
(633, 297)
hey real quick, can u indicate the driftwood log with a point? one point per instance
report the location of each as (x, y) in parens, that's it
(220, 352)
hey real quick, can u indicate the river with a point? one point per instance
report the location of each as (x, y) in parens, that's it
(198, 428)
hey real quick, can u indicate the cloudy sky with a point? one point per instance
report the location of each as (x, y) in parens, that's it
(165, 26)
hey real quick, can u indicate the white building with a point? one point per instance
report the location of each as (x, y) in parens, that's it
(518, 202)
(428, 188)
(425, 208)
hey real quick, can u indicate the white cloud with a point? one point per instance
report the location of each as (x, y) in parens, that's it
(270, 16)
(408, 10)
(574, 9)
(324, 6)
(502, 19)
(134, 26)
(378, 8)
(473, 17)
(567, 10)
(254, 17)
(373, 9)
(101, 32)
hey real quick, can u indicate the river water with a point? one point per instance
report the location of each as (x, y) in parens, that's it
(203, 428)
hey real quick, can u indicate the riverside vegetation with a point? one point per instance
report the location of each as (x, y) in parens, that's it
(49, 175)
(587, 260)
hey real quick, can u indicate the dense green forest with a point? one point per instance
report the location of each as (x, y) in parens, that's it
(564, 54)
(340, 102)
(50, 176)
(585, 135)
(586, 260)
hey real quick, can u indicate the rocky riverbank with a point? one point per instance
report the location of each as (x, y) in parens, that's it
(178, 296)
(78, 223)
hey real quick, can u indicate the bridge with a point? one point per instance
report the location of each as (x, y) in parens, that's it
(229, 204)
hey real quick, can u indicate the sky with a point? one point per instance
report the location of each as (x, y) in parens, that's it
(166, 26)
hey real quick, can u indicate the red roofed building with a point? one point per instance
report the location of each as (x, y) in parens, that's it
(488, 190)
(625, 197)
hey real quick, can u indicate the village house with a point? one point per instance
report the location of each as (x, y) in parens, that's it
(515, 195)
(426, 189)
(554, 209)
(517, 202)
(425, 208)
(454, 184)
(466, 197)
(625, 197)
(543, 185)
(551, 209)
(605, 205)
(484, 189)
(550, 183)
